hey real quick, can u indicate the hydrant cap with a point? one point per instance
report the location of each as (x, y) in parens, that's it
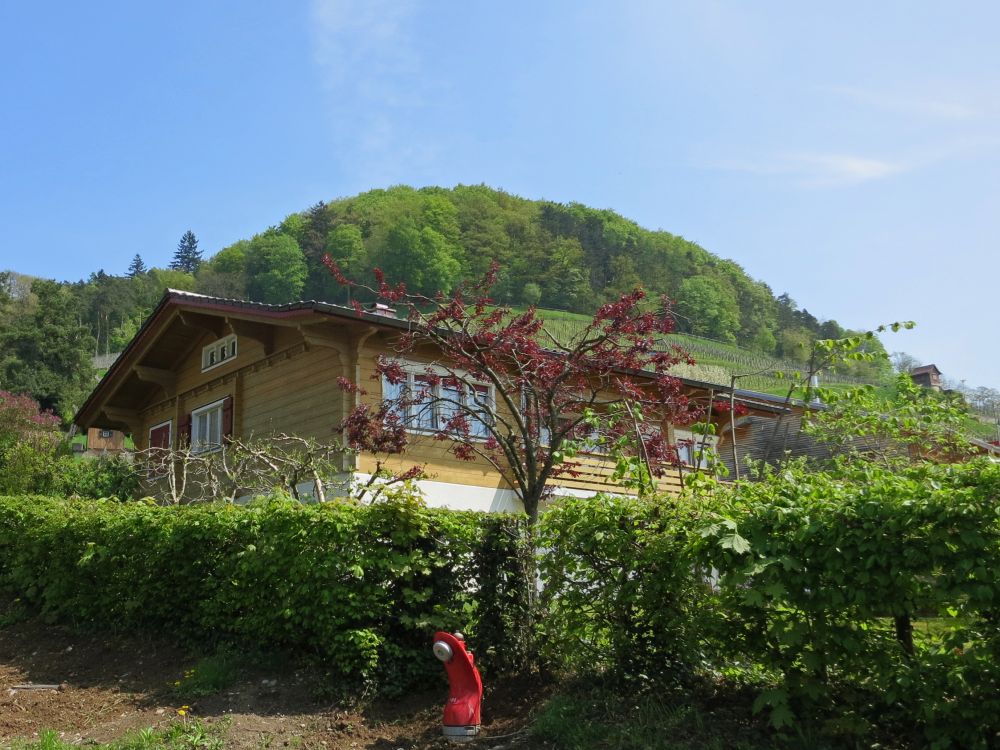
(443, 651)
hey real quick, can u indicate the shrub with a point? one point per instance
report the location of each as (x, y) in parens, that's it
(830, 578)
(360, 589)
(29, 442)
(97, 477)
(619, 588)
(860, 605)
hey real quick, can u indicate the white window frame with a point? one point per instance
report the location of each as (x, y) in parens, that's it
(477, 430)
(219, 352)
(151, 471)
(169, 424)
(544, 433)
(684, 436)
(198, 446)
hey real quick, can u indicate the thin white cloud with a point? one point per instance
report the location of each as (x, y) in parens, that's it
(924, 104)
(359, 42)
(833, 170)
(377, 85)
(815, 170)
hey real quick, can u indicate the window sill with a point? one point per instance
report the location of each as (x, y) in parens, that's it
(218, 364)
(207, 451)
(434, 433)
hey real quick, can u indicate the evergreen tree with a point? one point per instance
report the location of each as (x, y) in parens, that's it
(188, 256)
(136, 267)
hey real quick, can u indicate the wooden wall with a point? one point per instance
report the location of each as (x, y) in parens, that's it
(291, 390)
(99, 444)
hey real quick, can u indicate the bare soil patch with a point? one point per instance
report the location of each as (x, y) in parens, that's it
(110, 685)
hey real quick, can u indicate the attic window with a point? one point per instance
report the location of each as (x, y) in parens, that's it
(218, 352)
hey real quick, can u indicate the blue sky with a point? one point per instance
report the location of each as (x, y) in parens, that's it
(849, 155)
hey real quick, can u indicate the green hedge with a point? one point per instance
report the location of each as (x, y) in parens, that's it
(861, 605)
(619, 591)
(873, 595)
(359, 588)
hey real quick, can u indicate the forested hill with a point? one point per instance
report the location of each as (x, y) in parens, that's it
(565, 257)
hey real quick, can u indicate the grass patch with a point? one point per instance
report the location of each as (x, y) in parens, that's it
(604, 718)
(180, 735)
(716, 361)
(977, 427)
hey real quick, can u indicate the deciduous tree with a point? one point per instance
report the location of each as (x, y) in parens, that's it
(500, 389)
(276, 268)
(913, 425)
(708, 307)
(46, 352)
(29, 437)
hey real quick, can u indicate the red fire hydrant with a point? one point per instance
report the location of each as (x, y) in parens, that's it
(461, 712)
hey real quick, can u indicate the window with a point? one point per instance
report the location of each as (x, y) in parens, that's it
(159, 435)
(595, 443)
(421, 397)
(431, 406)
(393, 392)
(206, 428)
(690, 449)
(160, 441)
(481, 400)
(218, 352)
(533, 414)
(106, 434)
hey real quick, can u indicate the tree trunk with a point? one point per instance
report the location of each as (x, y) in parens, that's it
(904, 633)
(532, 582)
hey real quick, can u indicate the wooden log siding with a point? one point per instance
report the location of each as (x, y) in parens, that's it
(294, 391)
(594, 473)
(298, 395)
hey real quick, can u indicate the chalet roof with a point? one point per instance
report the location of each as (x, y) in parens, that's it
(923, 369)
(773, 441)
(171, 344)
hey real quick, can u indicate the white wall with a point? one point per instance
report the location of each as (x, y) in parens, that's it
(467, 497)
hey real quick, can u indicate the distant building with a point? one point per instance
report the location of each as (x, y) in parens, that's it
(928, 376)
(102, 442)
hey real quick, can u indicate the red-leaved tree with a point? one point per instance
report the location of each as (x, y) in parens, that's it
(498, 386)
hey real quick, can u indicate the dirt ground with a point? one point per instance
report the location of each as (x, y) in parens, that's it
(108, 685)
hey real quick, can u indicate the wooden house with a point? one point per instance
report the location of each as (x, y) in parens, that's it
(203, 368)
(102, 441)
(927, 376)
